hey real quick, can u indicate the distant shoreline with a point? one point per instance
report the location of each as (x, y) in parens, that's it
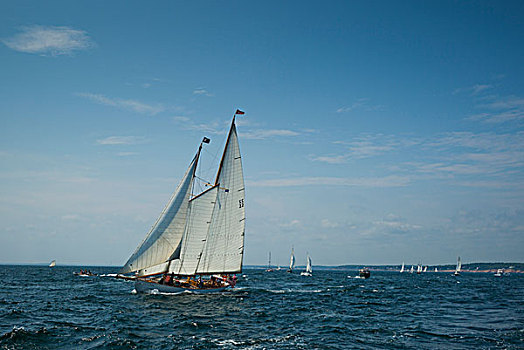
(508, 267)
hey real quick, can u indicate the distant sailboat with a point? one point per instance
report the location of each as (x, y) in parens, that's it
(269, 269)
(419, 269)
(436, 270)
(309, 269)
(425, 269)
(402, 268)
(198, 234)
(292, 261)
(459, 267)
(412, 269)
(364, 273)
(53, 263)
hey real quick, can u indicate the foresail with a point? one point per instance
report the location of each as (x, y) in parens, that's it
(199, 219)
(165, 235)
(224, 247)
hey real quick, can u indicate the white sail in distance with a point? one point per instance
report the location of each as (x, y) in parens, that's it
(459, 265)
(308, 266)
(52, 263)
(402, 268)
(292, 260)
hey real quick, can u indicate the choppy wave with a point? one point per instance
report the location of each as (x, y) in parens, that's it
(43, 309)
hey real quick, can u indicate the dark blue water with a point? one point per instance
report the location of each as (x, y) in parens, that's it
(47, 308)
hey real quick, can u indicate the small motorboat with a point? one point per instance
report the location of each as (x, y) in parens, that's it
(364, 273)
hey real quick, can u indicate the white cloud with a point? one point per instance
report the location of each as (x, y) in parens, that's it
(292, 223)
(213, 128)
(202, 92)
(360, 104)
(473, 90)
(120, 140)
(328, 224)
(126, 154)
(260, 134)
(330, 159)
(52, 41)
(387, 181)
(130, 105)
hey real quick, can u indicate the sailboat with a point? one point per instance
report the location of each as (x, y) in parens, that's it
(269, 269)
(197, 235)
(52, 263)
(459, 266)
(292, 261)
(436, 270)
(425, 269)
(309, 269)
(412, 269)
(402, 268)
(419, 269)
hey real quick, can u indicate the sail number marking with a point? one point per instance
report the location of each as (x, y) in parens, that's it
(241, 203)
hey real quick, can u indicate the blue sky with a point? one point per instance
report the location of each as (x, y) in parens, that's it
(375, 132)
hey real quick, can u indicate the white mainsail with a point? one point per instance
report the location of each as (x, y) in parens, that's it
(224, 247)
(425, 269)
(459, 265)
(203, 234)
(402, 268)
(292, 260)
(308, 266)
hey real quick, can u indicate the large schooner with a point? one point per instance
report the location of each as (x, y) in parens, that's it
(197, 243)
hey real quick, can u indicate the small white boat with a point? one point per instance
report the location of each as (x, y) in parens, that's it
(458, 268)
(436, 270)
(425, 269)
(52, 264)
(309, 269)
(412, 269)
(269, 268)
(292, 261)
(402, 268)
(499, 273)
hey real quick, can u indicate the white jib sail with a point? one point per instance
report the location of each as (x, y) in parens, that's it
(165, 235)
(308, 266)
(224, 247)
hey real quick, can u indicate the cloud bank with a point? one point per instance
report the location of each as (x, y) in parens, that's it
(49, 41)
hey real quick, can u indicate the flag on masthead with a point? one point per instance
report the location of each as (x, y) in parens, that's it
(239, 112)
(206, 140)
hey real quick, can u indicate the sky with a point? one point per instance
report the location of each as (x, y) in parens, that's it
(376, 132)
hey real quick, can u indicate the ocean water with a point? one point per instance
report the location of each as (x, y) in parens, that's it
(43, 308)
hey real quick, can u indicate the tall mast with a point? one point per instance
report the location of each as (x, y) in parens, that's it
(225, 149)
